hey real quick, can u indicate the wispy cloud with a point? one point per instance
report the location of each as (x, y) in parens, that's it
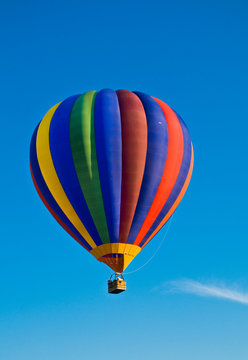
(206, 290)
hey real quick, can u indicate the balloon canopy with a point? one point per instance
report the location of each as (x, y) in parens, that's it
(111, 167)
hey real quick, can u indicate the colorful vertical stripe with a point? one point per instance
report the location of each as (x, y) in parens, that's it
(111, 167)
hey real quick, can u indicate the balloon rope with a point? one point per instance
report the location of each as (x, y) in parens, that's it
(155, 253)
(108, 270)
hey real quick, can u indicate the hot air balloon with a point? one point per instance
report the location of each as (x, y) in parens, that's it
(111, 167)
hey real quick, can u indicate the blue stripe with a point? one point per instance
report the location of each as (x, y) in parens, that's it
(184, 170)
(46, 193)
(59, 141)
(109, 156)
(157, 148)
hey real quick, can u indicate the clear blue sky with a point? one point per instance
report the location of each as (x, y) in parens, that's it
(53, 300)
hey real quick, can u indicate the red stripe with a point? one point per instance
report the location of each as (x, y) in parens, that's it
(171, 170)
(134, 148)
(52, 212)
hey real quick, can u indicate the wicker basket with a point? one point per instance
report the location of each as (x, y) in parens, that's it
(116, 286)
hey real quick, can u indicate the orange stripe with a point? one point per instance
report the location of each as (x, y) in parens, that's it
(176, 203)
(171, 169)
(52, 212)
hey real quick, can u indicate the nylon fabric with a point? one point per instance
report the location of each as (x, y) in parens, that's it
(59, 140)
(50, 176)
(54, 214)
(47, 197)
(111, 167)
(179, 182)
(171, 171)
(134, 148)
(176, 203)
(157, 148)
(82, 139)
(109, 152)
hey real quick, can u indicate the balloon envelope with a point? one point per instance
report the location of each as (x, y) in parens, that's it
(111, 167)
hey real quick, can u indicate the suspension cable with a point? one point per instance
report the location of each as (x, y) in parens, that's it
(155, 253)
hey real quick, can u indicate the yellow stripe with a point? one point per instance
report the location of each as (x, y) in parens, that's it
(50, 176)
(115, 248)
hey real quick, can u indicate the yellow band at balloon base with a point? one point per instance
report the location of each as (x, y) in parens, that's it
(118, 264)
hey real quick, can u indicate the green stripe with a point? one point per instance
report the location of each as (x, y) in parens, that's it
(82, 139)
